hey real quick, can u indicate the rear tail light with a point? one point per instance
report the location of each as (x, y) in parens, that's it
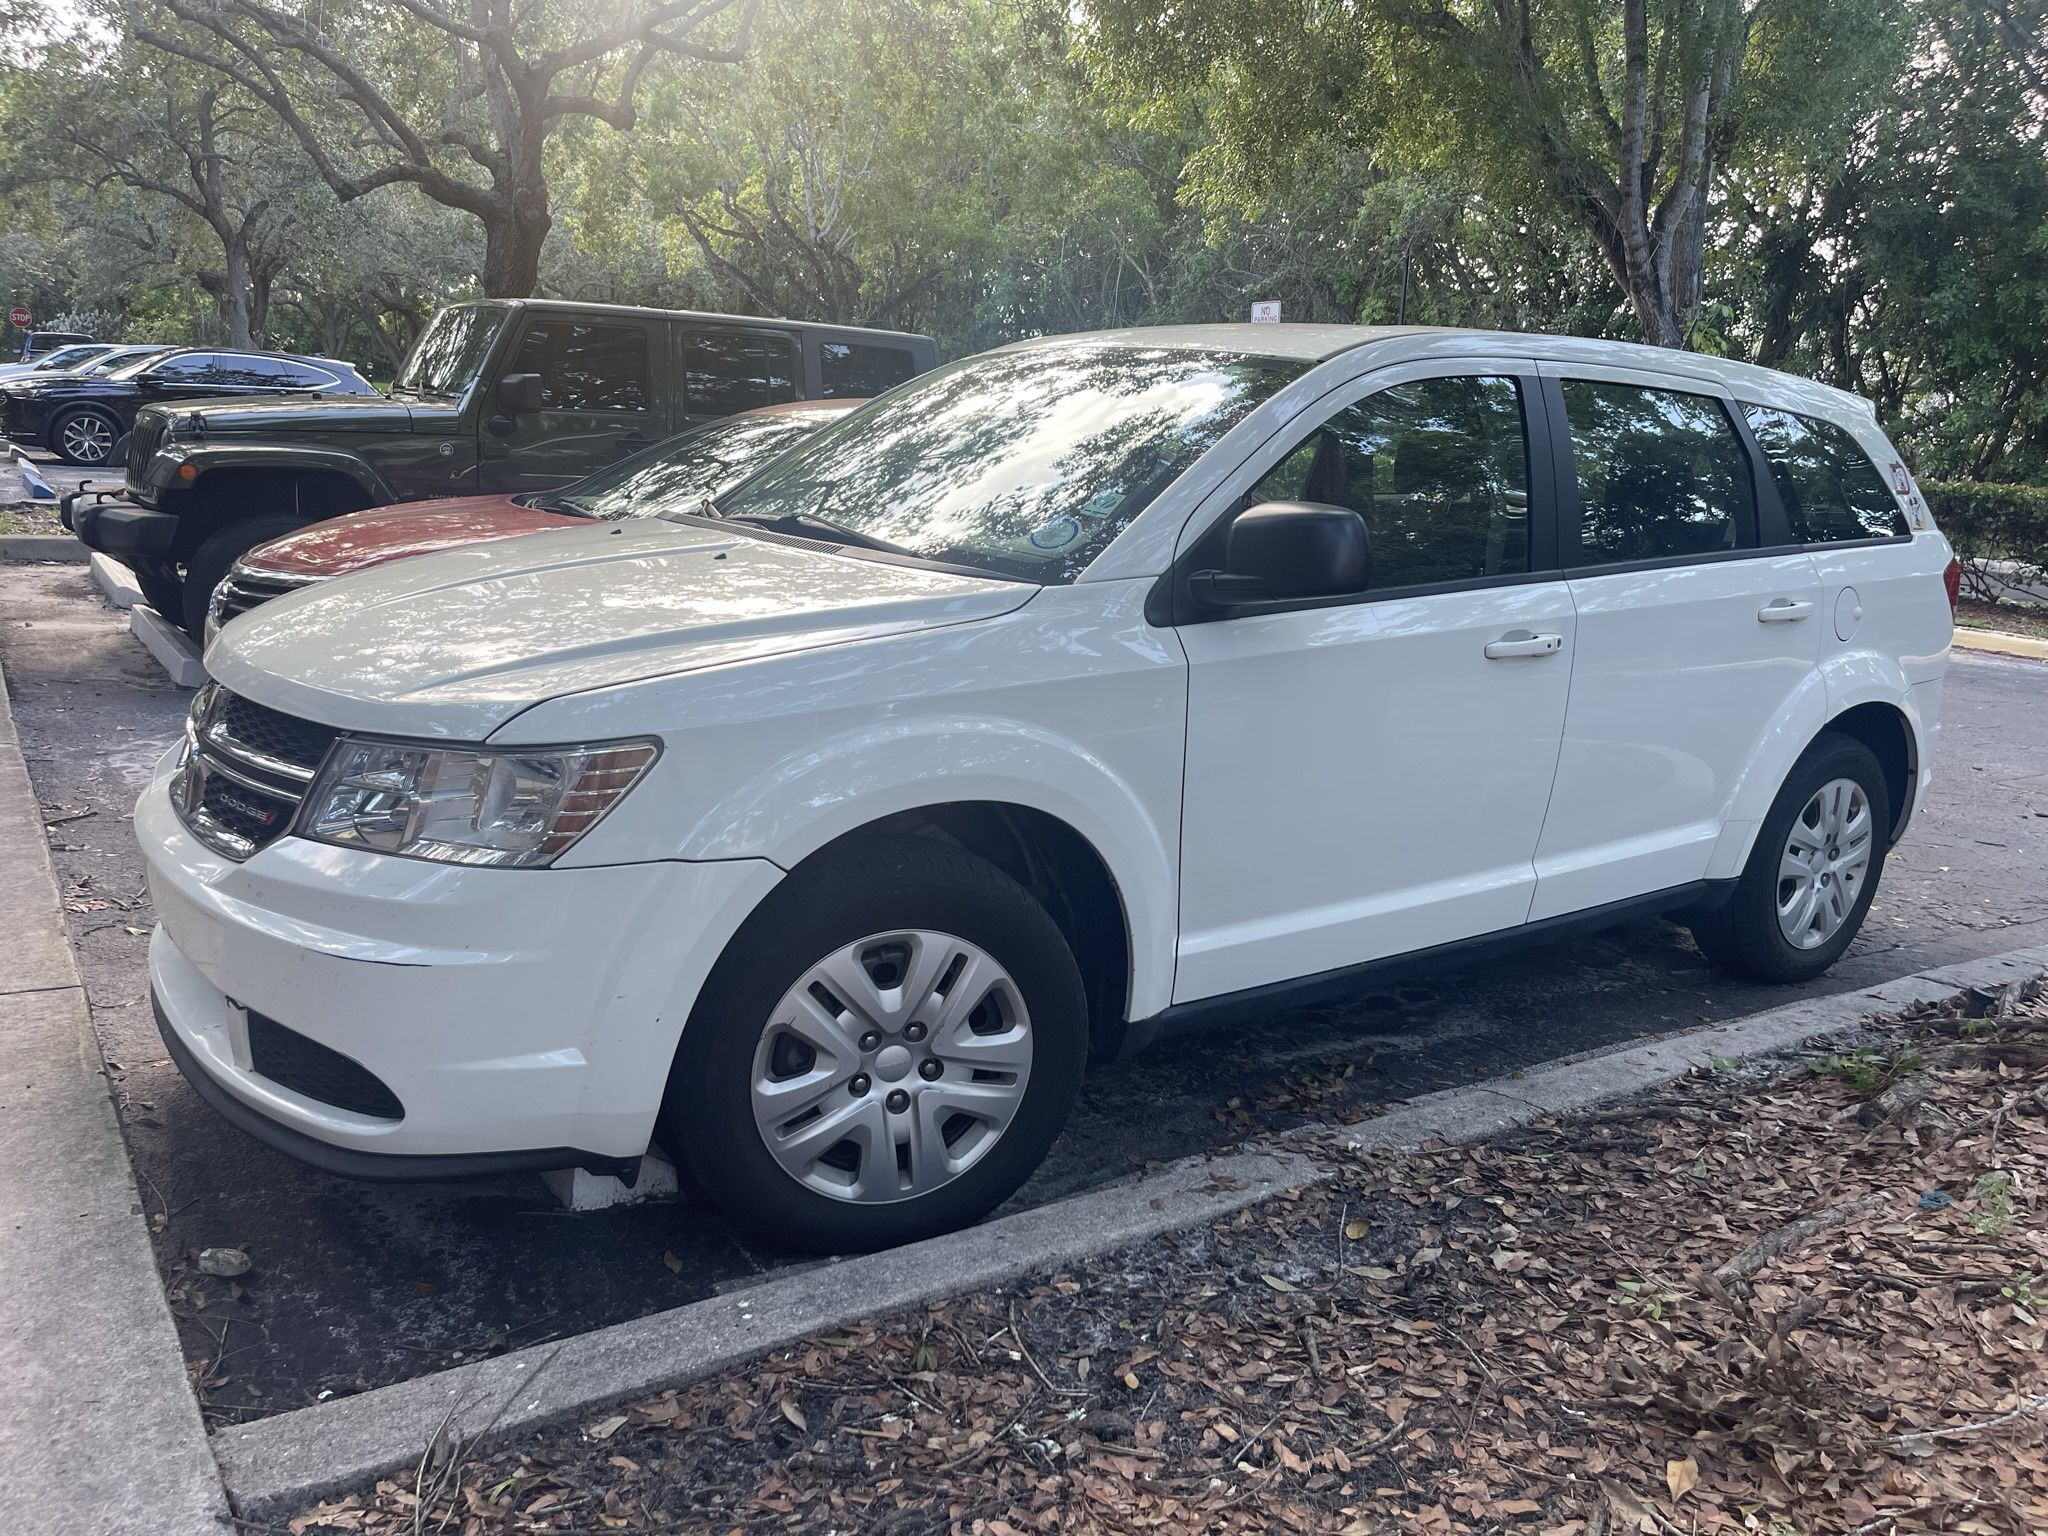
(1952, 578)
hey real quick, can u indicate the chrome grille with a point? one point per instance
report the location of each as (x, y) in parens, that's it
(242, 589)
(246, 769)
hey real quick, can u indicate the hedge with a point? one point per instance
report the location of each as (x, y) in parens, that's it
(1989, 523)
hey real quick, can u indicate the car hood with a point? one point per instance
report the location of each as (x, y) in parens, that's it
(453, 645)
(289, 415)
(363, 539)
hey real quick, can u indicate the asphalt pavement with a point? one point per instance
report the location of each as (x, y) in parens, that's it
(355, 1286)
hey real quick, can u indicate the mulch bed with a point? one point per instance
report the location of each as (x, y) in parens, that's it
(1788, 1301)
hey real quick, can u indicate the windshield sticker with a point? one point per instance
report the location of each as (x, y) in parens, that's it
(1057, 533)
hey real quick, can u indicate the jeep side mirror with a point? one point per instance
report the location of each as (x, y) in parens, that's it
(519, 394)
(1279, 550)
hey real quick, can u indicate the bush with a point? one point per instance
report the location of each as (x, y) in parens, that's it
(1987, 523)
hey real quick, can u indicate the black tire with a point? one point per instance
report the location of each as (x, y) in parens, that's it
(833, 901)
(1743, 935)
(162, 588)
(216, 553)
(84, 413)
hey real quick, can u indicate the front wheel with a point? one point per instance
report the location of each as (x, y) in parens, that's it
(216, 554)
(1813, 872)
(885, 1052)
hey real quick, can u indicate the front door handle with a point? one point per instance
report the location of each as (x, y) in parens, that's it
(1784, 610)
(1522, 643)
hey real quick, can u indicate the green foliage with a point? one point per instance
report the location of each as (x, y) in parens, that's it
(1868, 1070)
(1994, 1215)
(1986, 522)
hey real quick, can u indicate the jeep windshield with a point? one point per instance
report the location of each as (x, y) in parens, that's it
(444, 362)
(682, 472)
(1025, 464)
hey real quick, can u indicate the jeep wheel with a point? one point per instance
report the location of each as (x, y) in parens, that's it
(83, 435)
(219, 551)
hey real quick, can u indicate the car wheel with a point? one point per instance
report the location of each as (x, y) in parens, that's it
(216, 553)
(84, 436)
(885, 1051)
(1811, 876)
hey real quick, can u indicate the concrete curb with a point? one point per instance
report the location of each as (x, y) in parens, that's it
(277, 1467)
(1998, 641)
(170, 645)
(116, 581)
(42, 546)
(99, 1431)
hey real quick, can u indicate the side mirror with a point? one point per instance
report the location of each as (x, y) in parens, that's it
(1288, 549)
(519, 394)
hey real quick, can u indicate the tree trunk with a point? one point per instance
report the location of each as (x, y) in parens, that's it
(514, 233)
(233, 298)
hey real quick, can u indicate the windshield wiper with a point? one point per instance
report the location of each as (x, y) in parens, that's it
(807, 525)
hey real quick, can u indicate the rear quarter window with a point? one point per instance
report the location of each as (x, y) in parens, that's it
(852, 370)
(1831, 490)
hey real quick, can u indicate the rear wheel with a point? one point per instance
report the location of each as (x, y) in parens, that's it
(1814, 870)
(83, 435)
(885, 1052)
(216, 553)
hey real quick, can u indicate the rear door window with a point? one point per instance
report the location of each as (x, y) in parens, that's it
(1439, 470)
(586, 366)
(728, 371)
(1662, 474)
(1831, 490)
(852, 370)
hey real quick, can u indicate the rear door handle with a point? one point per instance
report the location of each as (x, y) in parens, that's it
(1783, 610)
(1522, 643)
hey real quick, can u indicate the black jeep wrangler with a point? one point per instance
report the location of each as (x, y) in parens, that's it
(494, 398)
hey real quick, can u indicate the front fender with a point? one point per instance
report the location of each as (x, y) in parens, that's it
(1070, 705)
(167, 469)
(835, 787)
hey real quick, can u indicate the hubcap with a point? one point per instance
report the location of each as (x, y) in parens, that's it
(892, 1066)
(1824, 865)
(88, 439)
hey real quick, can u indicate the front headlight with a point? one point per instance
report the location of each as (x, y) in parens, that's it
(506, 806)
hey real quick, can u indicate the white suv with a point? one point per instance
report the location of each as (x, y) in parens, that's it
(1067, 691)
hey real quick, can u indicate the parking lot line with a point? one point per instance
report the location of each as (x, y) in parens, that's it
(99, 1431)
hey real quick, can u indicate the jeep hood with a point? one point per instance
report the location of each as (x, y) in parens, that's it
(291, 416)
(339, 545)
(453, 645)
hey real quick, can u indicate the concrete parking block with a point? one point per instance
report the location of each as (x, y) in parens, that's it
(42, 546)
(99, 1432)
(170, 645)
(116, 581)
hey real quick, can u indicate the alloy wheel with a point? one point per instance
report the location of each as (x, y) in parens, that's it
(892, 1066)
(87, 440)
(1824, 864)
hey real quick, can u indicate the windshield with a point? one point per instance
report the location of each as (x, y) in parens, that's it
(68, 357)
(1024, 463)
(684, 470)
(445, 360)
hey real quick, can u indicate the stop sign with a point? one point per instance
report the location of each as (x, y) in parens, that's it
(20, 317)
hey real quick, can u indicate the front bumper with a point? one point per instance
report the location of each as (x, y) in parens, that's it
(522, 1018)
(121, 529)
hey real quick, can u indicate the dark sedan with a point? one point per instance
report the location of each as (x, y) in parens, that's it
(80, 417)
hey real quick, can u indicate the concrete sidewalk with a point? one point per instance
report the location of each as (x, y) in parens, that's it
(99, 1432)
(1999, 641)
